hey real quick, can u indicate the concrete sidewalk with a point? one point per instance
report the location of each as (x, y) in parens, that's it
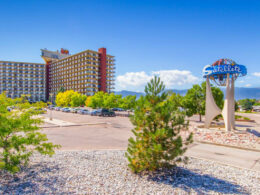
(226, 155)
(58, 122)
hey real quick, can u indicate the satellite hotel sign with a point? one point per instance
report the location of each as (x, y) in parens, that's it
(239, 70)
(223, 72)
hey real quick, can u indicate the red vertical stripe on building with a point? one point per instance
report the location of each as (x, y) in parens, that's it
(47, 80)
(103, 69)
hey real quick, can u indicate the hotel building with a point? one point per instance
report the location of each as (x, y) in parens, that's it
(22, 78)
(86, 72)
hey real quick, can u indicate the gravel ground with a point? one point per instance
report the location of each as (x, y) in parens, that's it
(246, 139)
(106, 172)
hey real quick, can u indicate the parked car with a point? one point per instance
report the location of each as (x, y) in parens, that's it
(106, 112)
(118, 109)
(86, 112)
(78, 109)
(74, 110)
(94, 113)
(51, 107)
(256, 108)
(65, 109)
(83, 111)
(58, 108)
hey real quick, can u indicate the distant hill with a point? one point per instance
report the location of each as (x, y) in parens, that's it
(126, 93)
(240, 92)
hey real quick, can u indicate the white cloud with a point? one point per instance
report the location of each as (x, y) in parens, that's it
(248, 85)
(171, 78)
(257, 74)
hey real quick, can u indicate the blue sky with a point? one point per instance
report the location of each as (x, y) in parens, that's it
(174, 39)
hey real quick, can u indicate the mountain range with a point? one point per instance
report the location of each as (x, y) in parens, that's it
(240, 92)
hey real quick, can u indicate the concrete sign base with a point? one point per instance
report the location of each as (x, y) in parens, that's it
(228, 112)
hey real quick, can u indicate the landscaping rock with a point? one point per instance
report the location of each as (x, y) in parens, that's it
(106, 172)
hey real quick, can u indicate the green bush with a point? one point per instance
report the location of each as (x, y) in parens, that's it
(238, 117)
(158, 122)
(242, 118)
(19, 135)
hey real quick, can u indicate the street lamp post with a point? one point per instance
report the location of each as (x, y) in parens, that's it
(51, 94)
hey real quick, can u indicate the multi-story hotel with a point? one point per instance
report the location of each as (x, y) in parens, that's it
(86, 72)
(22, 78)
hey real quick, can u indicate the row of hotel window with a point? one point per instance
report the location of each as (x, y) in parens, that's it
(76, 60)
(21, 75)
(76, 64)
(23, 65)
(32, 70)
(58, 72)
(35, 98)
(68, 78)
(109, 85)
(22, 92)
(25, 78)
(86, 54)
(21, 85)
(75, 68)
(22, 89)
(78, 70)
(73, 77)
(75, 84)
(24, 82)
(84, 90)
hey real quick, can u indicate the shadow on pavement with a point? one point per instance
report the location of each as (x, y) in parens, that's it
(254, 132)
(239, 125)
(188, 180)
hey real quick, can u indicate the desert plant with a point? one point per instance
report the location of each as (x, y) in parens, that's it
(158, 123)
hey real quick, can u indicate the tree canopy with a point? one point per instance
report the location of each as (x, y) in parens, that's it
(105, 100)
(70, 98)
(195, 99)
(19, 133)
(247, 104)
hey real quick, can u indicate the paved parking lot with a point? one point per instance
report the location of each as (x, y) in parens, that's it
(113, 133)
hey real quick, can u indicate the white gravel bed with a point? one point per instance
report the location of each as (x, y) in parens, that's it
(106, 172)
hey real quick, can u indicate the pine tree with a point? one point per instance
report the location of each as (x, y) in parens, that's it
(158, 122)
